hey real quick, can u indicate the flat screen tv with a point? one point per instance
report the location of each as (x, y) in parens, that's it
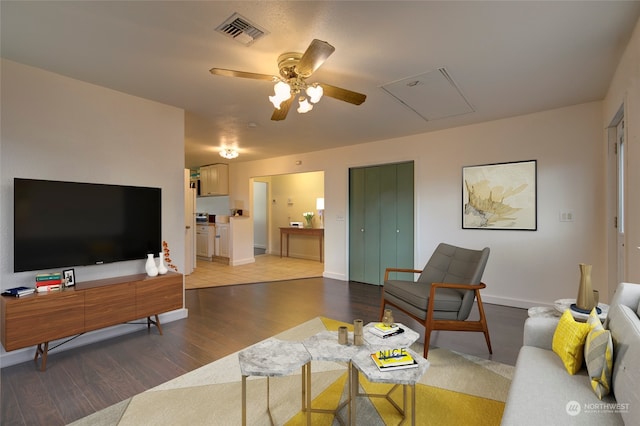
(63, 224)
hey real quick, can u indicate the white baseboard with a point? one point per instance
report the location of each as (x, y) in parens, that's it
(238, 262)
(514, 303)
(22, 355)
(333, 275)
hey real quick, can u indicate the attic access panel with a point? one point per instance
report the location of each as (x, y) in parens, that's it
(431, 95)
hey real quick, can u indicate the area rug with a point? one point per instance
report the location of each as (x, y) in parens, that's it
(456, 389)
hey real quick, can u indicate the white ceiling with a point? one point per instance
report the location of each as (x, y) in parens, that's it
(507, 58)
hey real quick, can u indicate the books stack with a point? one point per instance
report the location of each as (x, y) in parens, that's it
(49, 281)
(393, 359)
(18, 291)
(385, 331)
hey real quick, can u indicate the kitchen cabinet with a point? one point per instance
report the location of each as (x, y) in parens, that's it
(214, 180)
(205, 235)
(222, 234)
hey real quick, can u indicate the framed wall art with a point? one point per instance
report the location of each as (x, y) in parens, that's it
(500, 196)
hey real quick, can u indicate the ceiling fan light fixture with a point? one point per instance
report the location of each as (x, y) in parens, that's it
(282, 92)
(305, 106)
(315, 93)
(229, 153)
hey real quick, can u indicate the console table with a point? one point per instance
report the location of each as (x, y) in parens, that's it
(44, 317)
(314, 232)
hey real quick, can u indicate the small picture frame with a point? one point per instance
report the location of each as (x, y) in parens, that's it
(69, 277)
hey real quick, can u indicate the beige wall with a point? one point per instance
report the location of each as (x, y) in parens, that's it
(291, 195)
(54, 127)
(525, 268)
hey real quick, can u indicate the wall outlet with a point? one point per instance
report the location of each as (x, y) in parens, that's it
(566, 215)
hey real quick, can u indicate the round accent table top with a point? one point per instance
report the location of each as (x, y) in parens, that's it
(562, 305)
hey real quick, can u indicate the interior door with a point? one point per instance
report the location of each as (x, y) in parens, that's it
(381, 220)
(356, 224)
(620, 222)
(189, 224)
(260, 217)
(372, 225)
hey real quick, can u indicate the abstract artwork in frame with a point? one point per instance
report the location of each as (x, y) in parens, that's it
(500, 196)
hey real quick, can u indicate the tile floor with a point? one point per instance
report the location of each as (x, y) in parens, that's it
(266, 268)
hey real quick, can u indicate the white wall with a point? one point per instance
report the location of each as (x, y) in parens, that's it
(54, 127)
(625, 90)
(525, 267)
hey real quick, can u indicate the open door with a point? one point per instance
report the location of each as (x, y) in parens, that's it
(189, 224)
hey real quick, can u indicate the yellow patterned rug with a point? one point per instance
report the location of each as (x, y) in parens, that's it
(456, 389)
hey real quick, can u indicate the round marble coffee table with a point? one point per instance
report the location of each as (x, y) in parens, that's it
(402, 340)
(363, 363)
(273, 358)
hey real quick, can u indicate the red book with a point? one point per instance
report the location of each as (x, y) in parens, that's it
(48, 282)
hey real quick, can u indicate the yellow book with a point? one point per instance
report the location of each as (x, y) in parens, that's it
(392, 358)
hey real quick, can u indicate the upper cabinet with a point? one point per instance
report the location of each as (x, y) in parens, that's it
(214, 180)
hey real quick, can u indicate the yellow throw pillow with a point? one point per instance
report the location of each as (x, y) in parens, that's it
(568, 341)
(598, 354)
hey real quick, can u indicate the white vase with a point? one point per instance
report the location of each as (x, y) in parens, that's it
(150, 266)
(162, 269)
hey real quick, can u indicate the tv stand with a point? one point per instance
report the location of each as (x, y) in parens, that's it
(44, 317)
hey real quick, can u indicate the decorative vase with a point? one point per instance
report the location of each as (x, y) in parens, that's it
(308, 222)
(387, 318)
(162, 269)
(150, 266)
(358, 336)
(585, 292)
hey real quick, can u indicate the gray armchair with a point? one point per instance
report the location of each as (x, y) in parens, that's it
(452, 280)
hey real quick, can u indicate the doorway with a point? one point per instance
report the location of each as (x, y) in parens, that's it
(260, 217)
(280, 200)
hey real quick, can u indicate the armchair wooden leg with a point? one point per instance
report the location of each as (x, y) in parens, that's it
(427, 338)
(483, 320)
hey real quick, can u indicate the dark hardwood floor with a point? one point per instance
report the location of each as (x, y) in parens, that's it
(221, 320)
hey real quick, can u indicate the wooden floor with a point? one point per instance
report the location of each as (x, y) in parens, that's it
(221, 320)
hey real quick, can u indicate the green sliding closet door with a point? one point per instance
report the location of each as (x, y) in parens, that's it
(380, 220)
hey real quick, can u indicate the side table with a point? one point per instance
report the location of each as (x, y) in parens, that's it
(363, 363)
(403, 340)
(324, 346)
(562, 305)
(272, 358)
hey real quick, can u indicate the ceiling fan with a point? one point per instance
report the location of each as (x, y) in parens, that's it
(295, 69)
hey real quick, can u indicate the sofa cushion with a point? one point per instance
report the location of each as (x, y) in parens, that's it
(624, 325)
(598, 355)
(542, 393)
(568, 341)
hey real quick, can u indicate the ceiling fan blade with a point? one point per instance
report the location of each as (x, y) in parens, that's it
(315, 55)
(343, 94)
(281, 114)
(243, 74)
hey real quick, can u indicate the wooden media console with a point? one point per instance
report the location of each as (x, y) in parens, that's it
(44, 317)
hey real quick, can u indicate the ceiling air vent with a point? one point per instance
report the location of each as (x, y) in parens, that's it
(240, 29)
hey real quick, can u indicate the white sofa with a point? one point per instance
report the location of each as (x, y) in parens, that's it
(543, 393)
